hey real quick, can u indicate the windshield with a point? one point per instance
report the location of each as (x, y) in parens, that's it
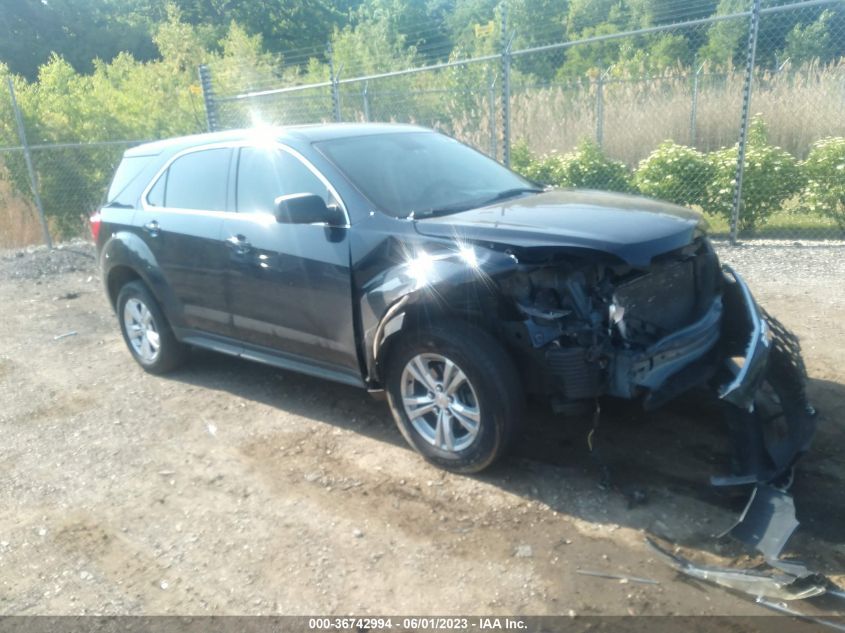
(422, 173)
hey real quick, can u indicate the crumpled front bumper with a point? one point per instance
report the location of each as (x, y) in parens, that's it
(652, 368)
(733, 323)
(744, 319)
(768, 414)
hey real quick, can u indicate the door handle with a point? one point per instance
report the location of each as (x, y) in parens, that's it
(239, 243)
(151, 228)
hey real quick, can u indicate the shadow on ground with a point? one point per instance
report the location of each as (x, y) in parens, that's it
(667, 456)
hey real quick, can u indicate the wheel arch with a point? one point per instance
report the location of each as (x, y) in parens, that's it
(117, 278)
(416, 311)
(126, 258)
(433, 281)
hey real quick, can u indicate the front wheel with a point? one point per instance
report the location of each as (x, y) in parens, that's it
(455, 395)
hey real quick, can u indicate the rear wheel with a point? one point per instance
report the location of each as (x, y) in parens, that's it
(146, 331)
(455, 395)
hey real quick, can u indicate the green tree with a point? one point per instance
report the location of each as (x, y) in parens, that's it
(32, 30)
(523, 23)
(727, 40)
(124, 99)
(371, 46)
(591, 18)
(806, 42)
(284, 25)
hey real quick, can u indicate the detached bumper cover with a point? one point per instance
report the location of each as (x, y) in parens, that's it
(748, 375)
(768, 414)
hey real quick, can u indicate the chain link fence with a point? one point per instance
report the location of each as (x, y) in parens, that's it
(755, 139)
(18, 215)
(70, 180)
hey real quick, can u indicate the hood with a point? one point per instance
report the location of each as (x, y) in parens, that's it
(632, 228)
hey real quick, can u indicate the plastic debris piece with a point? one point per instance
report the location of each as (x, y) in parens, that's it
(779, 587)
(791, 567)
(601, 574)
(767, 522)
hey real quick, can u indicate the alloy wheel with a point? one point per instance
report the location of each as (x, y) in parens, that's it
(141, 330)
(440, 402)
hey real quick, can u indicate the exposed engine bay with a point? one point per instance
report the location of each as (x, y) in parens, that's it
(611, 329)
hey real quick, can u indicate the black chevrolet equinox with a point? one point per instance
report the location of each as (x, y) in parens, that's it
(399, 260)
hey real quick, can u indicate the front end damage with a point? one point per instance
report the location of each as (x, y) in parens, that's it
(585, 324)
(589, 330)
(652, 334)
(606, 328)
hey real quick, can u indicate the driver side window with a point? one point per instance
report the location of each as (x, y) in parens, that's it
(264, 174)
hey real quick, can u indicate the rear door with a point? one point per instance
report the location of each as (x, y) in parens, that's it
(289, 284)
(181, 220)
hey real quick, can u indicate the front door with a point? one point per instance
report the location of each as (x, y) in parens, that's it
(289, 285)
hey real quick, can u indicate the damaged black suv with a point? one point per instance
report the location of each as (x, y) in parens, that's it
(396, 259)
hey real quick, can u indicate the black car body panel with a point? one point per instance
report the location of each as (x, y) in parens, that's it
(632, 228)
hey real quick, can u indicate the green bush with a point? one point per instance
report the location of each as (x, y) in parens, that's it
(771, 177)
(675, 173)
(521, 157)
(588, 168)
(542, 170)
(585, 168)
(824, 171)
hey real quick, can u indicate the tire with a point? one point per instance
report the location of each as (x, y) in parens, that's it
(490, 383)
(143, 323)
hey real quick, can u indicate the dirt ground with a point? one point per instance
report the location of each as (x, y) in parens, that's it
(234, 488)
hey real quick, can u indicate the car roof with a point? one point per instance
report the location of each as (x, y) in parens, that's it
(308, 133)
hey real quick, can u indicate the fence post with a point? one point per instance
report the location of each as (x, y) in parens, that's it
(693, 115)
(491, 110)
(33, 179)
(365, 98)
(743, 126)
(506, 88)
(208, 98)
(600, 110)
(335, 86)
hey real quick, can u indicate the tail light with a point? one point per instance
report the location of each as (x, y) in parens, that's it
(95, 221)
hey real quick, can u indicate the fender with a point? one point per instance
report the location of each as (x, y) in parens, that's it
(124, 248)
(424, 277)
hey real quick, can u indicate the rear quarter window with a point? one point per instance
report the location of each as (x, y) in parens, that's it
(155, 197)
(122, 190)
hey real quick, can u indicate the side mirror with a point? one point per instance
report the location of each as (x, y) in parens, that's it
(307, 208)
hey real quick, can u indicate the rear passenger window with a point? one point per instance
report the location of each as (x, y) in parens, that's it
(198, 181)
(264, 174)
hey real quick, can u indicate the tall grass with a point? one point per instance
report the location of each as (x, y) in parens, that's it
(799, 106)
(19, 224)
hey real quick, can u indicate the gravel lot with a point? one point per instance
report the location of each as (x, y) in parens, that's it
(233, 488)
